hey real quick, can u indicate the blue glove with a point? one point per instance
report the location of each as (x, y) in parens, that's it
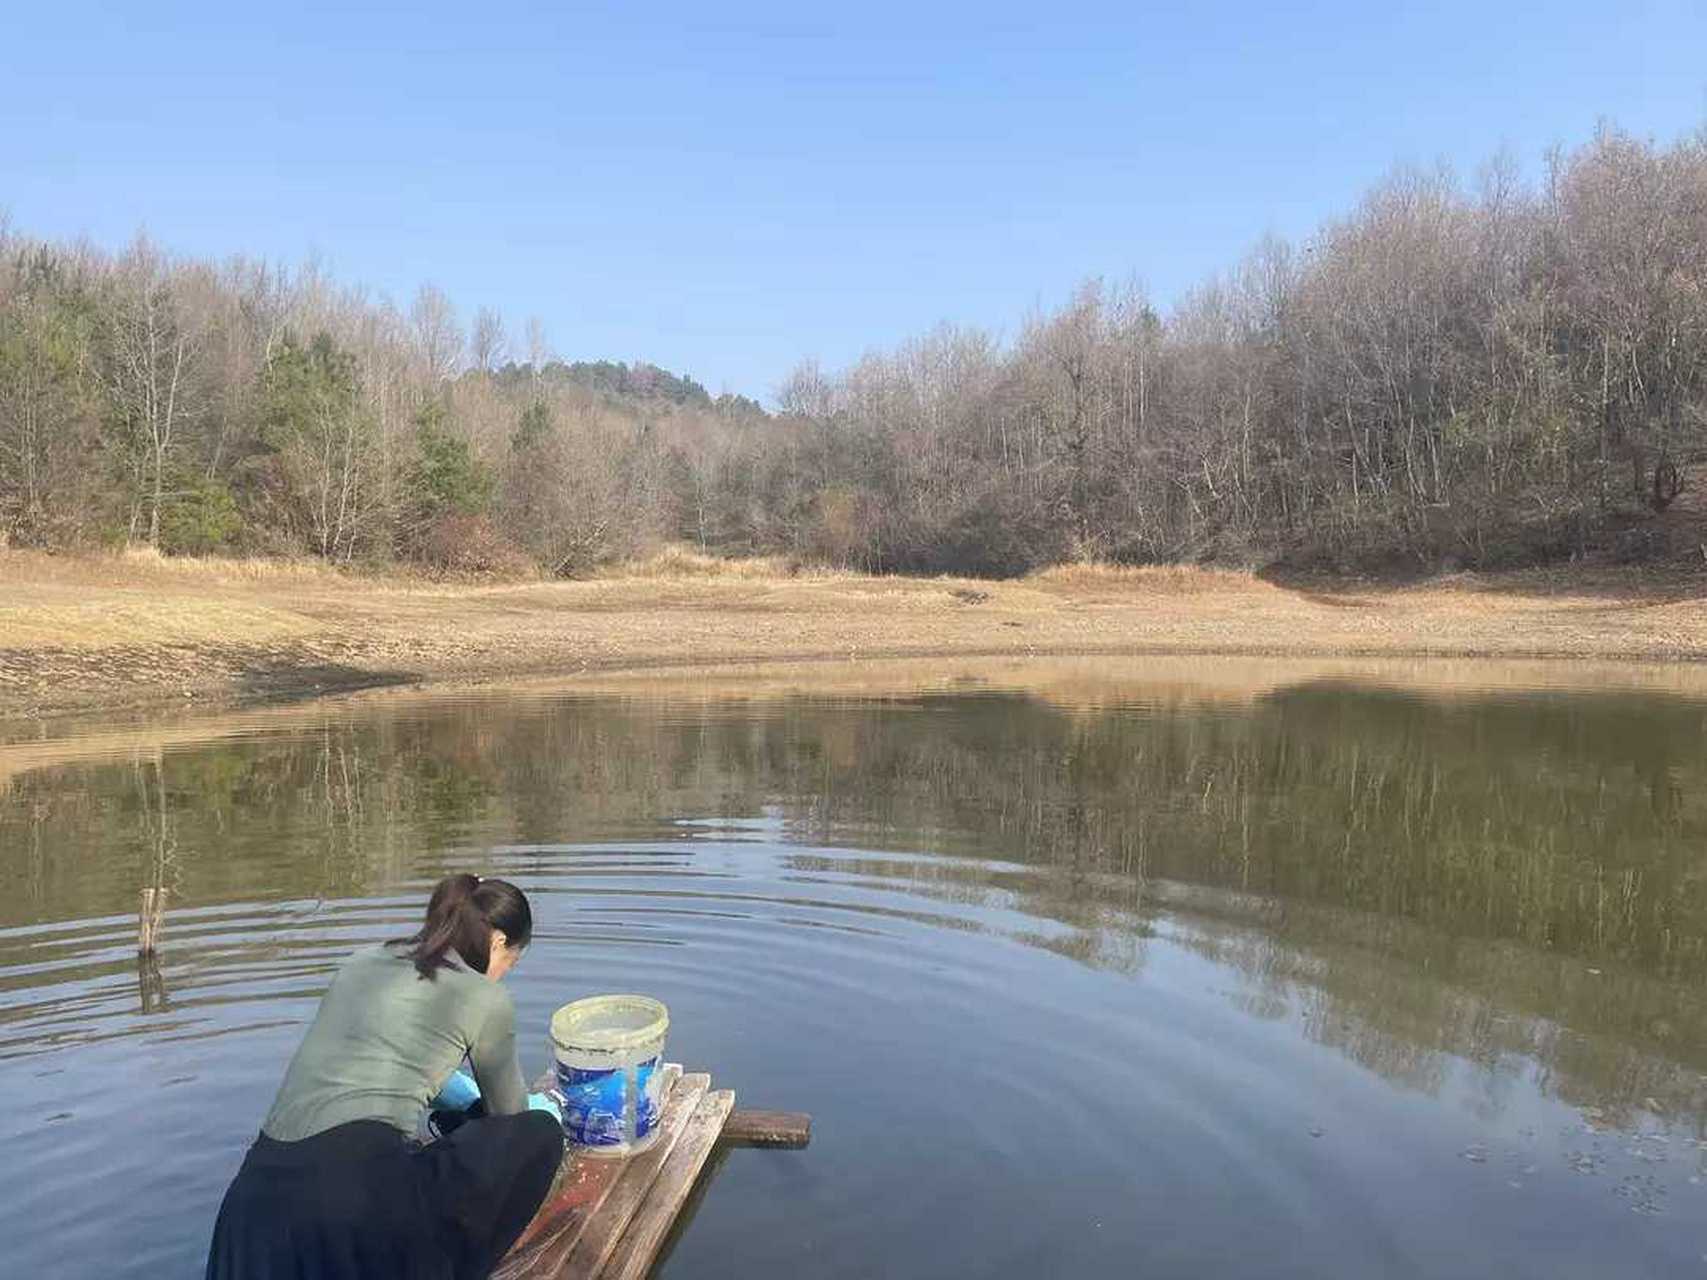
(458, 1093)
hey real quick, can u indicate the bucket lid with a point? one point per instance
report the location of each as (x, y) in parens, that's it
(610, 1024)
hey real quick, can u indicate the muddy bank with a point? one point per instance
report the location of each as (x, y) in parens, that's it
(103, 635)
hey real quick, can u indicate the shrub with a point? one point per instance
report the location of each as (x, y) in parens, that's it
(200, 518)
(472, 544)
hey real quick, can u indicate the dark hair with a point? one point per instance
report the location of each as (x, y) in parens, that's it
(461, 915)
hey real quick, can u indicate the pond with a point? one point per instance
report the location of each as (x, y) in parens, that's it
(1171, 969)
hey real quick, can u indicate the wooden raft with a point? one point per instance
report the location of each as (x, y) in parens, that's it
(606, 1217)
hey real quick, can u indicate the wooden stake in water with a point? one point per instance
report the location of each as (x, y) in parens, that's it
(150, 918)
(150, 984)
(791, 1129)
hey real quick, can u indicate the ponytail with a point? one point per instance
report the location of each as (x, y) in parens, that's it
(461, 915)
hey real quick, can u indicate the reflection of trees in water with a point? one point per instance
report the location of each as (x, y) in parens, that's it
(1103, 925)
(156, 828)
(1405, 1002)
(1486, 850)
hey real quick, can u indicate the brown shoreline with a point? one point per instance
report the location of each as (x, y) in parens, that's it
(136, 633)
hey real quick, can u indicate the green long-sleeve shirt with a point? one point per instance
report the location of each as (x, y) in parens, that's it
(384, 1041)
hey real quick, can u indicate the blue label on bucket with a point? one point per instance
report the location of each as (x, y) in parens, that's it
(593, 1103)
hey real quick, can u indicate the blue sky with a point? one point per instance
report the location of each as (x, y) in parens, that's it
(724, 188)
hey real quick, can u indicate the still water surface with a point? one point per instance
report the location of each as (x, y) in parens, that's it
(1266, 976)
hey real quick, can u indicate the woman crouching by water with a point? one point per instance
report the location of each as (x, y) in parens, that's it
(335, 1185)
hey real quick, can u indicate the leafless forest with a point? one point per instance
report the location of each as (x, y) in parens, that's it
(1475, 372)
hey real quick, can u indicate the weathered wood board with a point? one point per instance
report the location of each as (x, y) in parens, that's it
(639, 1244)
(744, 1128)
(602, 1215)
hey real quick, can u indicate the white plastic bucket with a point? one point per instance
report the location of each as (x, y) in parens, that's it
(609, 1052)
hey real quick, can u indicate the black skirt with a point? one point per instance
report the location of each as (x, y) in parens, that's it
(362, 1200)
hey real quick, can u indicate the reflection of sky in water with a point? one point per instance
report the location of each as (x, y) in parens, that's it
(1329, 982)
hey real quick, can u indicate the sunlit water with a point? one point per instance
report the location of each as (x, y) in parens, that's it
(1318, 978)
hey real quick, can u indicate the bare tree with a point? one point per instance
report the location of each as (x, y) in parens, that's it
(437, 338)
(153, 343)
(488, 345)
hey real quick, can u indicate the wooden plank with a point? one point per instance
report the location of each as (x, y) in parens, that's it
(704, 1185)
(583, 1186)
(580, 1189)
(746, 1128)
(639, 1246)
(601, 1236)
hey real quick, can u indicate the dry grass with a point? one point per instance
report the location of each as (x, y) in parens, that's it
(141, 566)
(1165, 580)
(679, 561)
(220, 569)
(98, 624)
(682, 563)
